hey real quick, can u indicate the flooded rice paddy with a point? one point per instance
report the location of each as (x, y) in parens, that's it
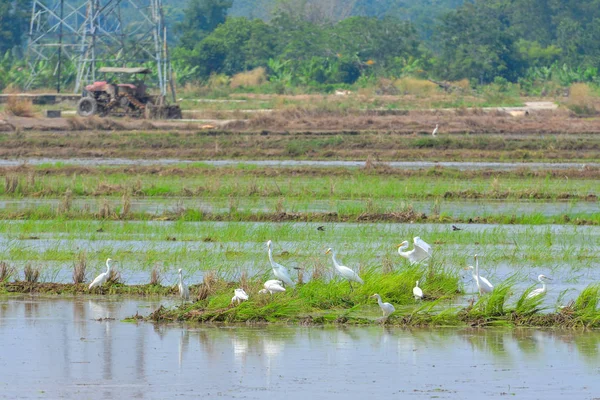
(454, 208)
(79, 348)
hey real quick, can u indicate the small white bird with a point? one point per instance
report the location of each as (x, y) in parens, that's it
(387, 308)
(541, 290)
(346, 272)
(417, 292)
(483, 285)
(184, 292)
(239, 296)
(434, 133)
(272, 286)
(421, 251)
(103, 277)
(279, 270)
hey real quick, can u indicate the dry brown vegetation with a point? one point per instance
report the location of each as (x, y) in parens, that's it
(19, 107)
(79, 267)
(256, 77)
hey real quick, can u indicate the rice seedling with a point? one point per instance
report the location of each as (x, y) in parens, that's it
(6, 271)
(11, 182)
(155, 277)
(31, 274)
(114, 278)
(79, 267)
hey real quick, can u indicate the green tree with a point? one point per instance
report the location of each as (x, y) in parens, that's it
(14, 18)
(237, 45)
(477, 43)
(201, 17)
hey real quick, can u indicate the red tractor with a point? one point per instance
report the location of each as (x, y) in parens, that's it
(124, 99)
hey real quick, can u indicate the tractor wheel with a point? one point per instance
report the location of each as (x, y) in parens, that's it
(87, 106)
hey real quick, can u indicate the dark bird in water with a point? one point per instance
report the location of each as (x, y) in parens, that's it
(456, 228)
(321, 228)
(100, 230)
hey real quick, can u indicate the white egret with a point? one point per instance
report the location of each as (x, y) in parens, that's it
(239, 296)
(279, 270)
(346, 272)
(417, 292)
(434, 133)
(272, 286)
(184, 292)
(483, 285)
(541, 290)
(103, 277)
(387, 308)
(421, 251)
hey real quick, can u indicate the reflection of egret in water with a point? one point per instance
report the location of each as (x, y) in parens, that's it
(271, 348)
(98, 309)
(184, 342)
(240, 348)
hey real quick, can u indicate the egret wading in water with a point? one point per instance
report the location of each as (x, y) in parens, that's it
(103, 277)
(537, 292)
(417, 292)
(483, 285)
(272, 286)
(239, 295)
(346, 272)
(387, 308)
(184, 292)
(279, 270)
(421, 251)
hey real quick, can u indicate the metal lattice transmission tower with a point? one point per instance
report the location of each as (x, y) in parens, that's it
(88, 34)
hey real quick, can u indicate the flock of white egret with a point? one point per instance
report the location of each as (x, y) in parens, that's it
(421, 251)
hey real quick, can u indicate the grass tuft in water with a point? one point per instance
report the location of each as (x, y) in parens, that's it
(79, 268)
(32, 274)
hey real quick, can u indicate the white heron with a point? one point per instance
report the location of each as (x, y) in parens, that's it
(541, 290)
(483, 285)
(387, 308)
(421, 251)
(103, 277)
(434, 133)
(417, 292)
(239, 296)
(272, 286)
(184, 292)
(346, 272)
(279, 270)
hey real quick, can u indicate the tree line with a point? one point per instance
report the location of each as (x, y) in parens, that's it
(310, 42)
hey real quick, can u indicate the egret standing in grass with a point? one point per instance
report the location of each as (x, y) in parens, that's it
(387, 308)
(346, 272)
(184, 292)
(483, 285)
(417, 292)
(103, 277)
(279, 270)
(272, 286)
(539, 291)
(421, 251)
(434, 133)
(239, 295)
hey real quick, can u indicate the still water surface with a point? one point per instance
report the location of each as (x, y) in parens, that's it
(56, 348)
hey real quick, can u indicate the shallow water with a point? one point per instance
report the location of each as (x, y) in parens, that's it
(463, 208)
(297, 163)
(54, 348)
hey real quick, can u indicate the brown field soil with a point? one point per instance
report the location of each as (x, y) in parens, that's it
(387, 138)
